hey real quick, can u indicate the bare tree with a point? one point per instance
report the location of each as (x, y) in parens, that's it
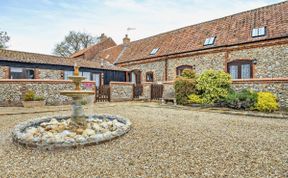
(4, 38)
(74, 42)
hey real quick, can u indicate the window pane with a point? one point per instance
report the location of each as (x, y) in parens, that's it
(261, 31)
(30, 73)
(87, 75)
(255, 32)
(233, 69)
(245, 71)
(206, 41)
(16, 69)
(67, 74)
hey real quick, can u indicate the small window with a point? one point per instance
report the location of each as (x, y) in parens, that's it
(67, 74)
(241, 69)
(180, 69)
(21, 73)
(209, 41)
(256, 32)
(154, 51)
(149, 77)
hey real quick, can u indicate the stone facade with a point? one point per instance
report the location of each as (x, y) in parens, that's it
(200, 63)
(50, 74)
(4, 72)
(12, 92)
(121, 91)
(279, 88)
(272, 61)
(157, 68)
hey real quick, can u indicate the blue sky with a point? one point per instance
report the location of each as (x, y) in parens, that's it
(37, 25)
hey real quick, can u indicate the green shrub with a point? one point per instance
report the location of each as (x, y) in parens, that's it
(29, 96)
(188, 73)
(213, 85)
(184, 86)
(266, 102)
(244, 99)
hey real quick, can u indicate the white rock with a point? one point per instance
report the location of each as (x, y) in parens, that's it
(96, 127)
(31, 130)
(53, 121)
(79, 138)
(104, 125)
(88, 132)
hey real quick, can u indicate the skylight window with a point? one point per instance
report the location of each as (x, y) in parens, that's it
(209, 41)
(256, 32)
(154, 51)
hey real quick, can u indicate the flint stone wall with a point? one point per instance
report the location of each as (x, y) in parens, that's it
(121, 91)
(12, 91)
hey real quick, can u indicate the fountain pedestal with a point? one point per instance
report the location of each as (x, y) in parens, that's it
(78, 119)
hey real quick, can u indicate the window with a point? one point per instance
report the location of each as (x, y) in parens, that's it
(241, 69)
(154, 51)
(86, 74)
(256, 32)
(209, 41)
(21, 73)
(149, 77)
(67, 74)
(180, 69)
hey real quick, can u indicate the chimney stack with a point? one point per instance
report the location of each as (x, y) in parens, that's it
(102, 37)
(126, 40)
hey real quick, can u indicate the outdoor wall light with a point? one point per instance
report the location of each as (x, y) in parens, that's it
(254, 61)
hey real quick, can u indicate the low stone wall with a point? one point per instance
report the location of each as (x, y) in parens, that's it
(168, 90)
(278, 86)
(146, 95)
(12, 91)
(121, 91)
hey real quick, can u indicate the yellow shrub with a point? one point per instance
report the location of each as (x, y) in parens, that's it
(196, 99)
(266, 102)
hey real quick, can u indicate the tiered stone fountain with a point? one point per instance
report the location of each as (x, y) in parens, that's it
(71, 131)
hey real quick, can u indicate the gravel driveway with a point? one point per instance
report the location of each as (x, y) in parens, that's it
(164, 142)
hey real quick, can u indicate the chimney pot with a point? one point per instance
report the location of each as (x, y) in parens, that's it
(126, 40)
(102, 37)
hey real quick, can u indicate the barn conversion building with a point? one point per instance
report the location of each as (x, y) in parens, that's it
(252, 46)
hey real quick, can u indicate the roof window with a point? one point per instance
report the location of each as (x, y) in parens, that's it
(256, 32)
(209, 41)
(154, 51)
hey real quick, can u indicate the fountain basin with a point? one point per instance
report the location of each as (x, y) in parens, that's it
(77, 93)
(53, 132)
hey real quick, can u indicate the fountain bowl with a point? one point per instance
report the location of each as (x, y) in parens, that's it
(45, 133)
(77, 93)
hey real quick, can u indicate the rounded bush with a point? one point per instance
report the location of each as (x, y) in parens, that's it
(266, 102)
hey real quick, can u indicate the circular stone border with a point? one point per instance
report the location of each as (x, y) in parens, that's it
(18, 133)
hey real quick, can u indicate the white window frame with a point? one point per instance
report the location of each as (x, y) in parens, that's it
(154, 51)
(210, 41)
(257, 32)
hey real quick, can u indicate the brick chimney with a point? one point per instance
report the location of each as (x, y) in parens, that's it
(102, 37)
(126, 40)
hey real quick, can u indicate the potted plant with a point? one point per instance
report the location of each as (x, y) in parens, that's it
(31, 100)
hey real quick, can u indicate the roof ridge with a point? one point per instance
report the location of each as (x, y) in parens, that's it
(209, 21)
(50, 55)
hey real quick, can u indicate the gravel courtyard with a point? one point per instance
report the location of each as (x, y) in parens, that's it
(164, 142)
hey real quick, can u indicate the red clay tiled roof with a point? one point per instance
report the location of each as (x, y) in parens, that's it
(230, 30)
(91, 51)
(19, 56)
